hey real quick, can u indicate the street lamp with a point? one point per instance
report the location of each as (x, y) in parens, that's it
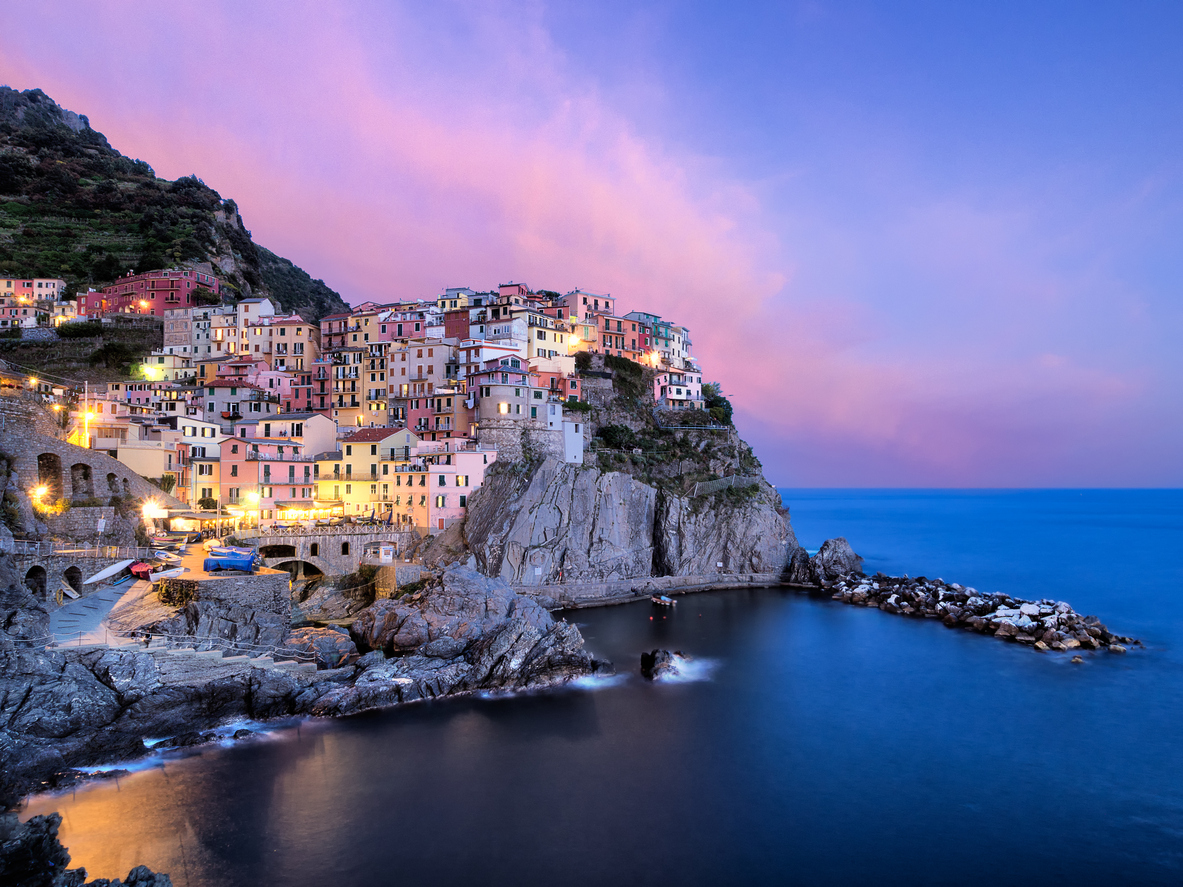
(86, 426)
(38, 493)
(253, 498)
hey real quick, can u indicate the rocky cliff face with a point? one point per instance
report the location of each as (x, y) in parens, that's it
(562, 523)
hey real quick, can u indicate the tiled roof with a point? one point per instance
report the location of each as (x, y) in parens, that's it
(372, 435)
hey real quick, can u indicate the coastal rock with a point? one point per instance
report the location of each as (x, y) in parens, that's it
(658, 663)
(333, 649)
(32, 856)
(562, 523)
(834, 559)
(463, 607)
(799, 571)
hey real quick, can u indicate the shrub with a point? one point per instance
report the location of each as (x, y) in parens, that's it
(618, 437)
(717, 405)
(583, 361)
(80, 329)
(207, 503)
(577, 406)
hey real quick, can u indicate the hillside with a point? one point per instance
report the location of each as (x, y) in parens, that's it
(71, 206)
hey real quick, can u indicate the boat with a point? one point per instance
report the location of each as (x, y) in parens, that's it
(237, 561)
(662, 600)
(141, 570)
(109, 572)
(167, 556)
(166, 574)
(229, 551)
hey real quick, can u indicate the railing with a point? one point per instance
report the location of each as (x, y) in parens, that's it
(223, 644)
(340, 530)
(276, 457)
(47, 548)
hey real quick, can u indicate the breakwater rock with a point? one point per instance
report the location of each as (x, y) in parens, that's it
(658, 664)
(1043, 624)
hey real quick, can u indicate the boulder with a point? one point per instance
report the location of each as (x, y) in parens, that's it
(657, 664)
(332, 649)
(799, 571)
(835, 558)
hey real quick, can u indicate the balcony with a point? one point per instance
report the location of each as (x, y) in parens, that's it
(276, 457)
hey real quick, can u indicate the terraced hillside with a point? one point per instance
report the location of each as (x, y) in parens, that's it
(71, 206)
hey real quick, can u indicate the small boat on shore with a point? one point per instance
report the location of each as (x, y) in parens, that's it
(662, 600)
(108, 572)
(166, 574)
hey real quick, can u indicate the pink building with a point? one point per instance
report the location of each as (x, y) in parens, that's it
(261, 476)
(149, 293)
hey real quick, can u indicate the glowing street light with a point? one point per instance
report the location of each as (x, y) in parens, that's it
(32, 381)
(38, 493)
(86, 425)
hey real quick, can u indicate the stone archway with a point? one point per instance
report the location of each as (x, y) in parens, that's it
(49, 475)
(299, 569)
(81, 481)
(35, 580)
(112, 483)
(269, 551)
(74, 576)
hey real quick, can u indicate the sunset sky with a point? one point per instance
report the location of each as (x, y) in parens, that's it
(918, 243)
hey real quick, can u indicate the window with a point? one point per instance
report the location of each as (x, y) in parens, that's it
(463, 501)
(349, 489)
(234, 471)
(462, 480)
(234, 448)
(344, 548)
(373, 449)
(439, 501)
(423, 501)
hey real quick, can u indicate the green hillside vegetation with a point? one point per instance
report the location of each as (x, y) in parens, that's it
(71, 206)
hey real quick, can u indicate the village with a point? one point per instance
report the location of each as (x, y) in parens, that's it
(391, 414)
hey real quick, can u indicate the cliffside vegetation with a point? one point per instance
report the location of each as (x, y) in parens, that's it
(668, 449)
(73, 207)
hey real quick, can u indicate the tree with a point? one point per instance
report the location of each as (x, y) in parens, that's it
(717, 405)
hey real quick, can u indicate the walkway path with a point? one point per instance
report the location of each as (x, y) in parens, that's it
(82, 621)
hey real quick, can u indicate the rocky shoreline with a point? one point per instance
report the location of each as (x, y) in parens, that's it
(69, 708)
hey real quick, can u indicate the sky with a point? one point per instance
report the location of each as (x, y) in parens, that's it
(917, 243)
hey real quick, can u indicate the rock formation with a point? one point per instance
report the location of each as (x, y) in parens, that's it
(74, 707)
(560, 523)
(31, 854)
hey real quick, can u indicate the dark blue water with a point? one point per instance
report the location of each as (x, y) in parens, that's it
(826, 744)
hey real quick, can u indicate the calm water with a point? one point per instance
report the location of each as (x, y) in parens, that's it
(822, 744)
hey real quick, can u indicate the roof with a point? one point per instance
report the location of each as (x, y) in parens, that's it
(229, 383)
(371, 435)
(335, 317)
(279, 417)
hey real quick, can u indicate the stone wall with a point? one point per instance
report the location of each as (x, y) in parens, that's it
(282, 548)
(45, 574)
(25, 411)
(267, 590)
(72, 472)
(521, 440)
(81, 524)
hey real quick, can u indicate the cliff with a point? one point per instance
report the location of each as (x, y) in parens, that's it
(72, 206)
(557, 524)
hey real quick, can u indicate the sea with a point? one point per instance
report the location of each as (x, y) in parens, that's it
(808, 742)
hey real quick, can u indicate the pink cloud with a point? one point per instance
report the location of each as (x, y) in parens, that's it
(391, 171)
